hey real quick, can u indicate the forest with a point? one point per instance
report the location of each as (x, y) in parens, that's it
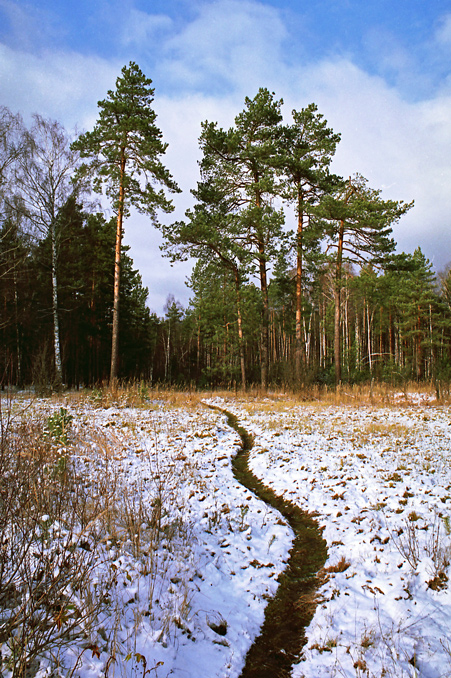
(296, 280)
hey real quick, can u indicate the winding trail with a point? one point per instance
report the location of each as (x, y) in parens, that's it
(288, 614)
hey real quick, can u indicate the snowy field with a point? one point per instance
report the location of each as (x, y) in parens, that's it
(380, 480)
(192, 556)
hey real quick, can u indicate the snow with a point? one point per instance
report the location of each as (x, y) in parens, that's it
(379, 480)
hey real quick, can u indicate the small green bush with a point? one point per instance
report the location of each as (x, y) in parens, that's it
(57, 426)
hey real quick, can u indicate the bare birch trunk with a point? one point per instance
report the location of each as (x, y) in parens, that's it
(56, 329)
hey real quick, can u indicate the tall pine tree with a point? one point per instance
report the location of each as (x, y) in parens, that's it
(246, 158)
(123, 153)
(307, 148)
(359, 227)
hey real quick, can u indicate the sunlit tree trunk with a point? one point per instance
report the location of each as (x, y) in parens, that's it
(368, 329)
(337, 302)
(391, 336)
(240, 329)
(265, 315)
(358, 346)
(299, 350)
(117, 274)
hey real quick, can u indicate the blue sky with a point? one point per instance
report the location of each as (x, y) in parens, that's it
(379, 72)
(394, 39)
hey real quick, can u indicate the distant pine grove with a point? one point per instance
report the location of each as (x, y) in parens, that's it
(296, 281)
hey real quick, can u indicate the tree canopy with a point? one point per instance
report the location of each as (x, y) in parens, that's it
(297, 279)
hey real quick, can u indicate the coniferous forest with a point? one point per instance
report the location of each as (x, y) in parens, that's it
(296, 280)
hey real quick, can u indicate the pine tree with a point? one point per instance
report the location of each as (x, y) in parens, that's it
(245, 158)
(307, 148)
(212, 233)
(85, 273)
(15, 254)
(219, 348)
(359, 227)
(123, 153)
(422, 315)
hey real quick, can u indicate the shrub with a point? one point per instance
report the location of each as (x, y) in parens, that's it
(46, 557)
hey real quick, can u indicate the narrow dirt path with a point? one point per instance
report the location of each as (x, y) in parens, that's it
(287, 615)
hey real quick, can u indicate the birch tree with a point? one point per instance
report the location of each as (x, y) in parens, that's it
(44, 183)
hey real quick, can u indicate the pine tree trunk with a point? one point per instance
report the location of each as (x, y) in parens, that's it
(347, 340)
(368, 328)
(265, 324)
(358, 347)
(391, 336)
(337, 301)
(198, 345)
(337, 335)
(265, 306)
(419, 348)
(299, 352)
(167, 348)
(381, 337)
(308, 339)
(240, 330)
(117, 275)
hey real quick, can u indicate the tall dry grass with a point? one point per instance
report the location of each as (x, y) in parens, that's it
(49, 546)
(69, 518)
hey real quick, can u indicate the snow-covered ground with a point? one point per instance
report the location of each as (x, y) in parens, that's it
(380, 480)
(189, 604)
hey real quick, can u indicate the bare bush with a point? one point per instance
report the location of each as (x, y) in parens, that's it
(81, 528)
(46, 554)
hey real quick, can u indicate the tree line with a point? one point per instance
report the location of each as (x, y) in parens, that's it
(296, 277)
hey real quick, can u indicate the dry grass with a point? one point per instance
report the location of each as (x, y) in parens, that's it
(341, 566)
(47, 552)
(141, 395)
(137, 395)
(70, 506)
(371, 395)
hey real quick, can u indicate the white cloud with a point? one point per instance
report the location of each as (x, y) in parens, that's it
(231, 44)
(60, 85)
(401, 146)
(140, 28)
(443, 34)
